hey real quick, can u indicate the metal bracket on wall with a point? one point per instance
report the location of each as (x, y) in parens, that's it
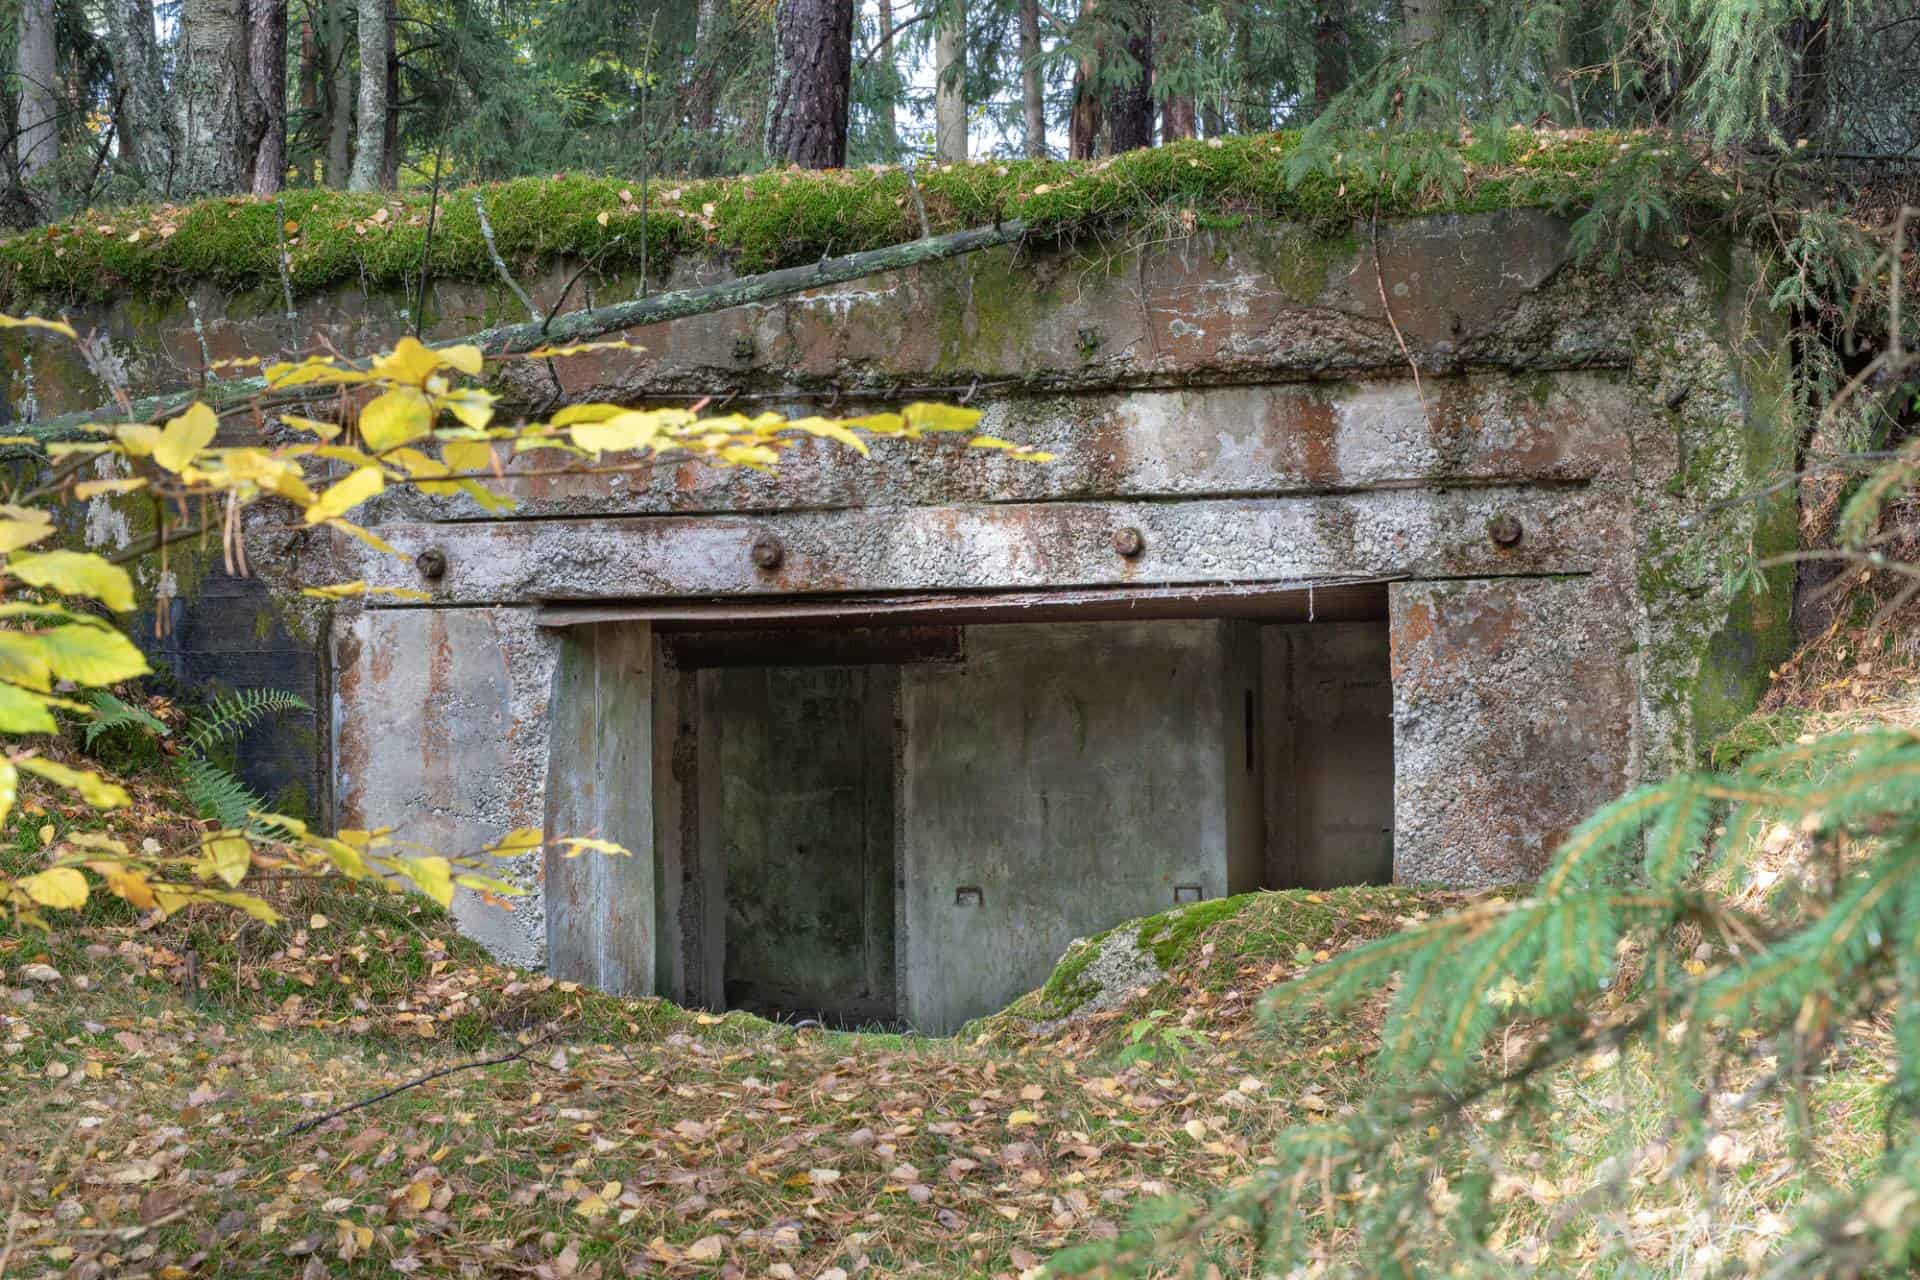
(969, 895)
(1184, 893)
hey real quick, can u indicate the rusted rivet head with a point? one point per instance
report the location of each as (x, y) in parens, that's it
(1505, 530)
(1129, 541)
(767, 551)
(432, 563)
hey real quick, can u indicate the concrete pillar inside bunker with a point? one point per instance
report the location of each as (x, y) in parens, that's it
(1513, 719)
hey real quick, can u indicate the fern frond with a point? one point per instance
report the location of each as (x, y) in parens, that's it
(231, 714)
(111, 713)
(217, 794)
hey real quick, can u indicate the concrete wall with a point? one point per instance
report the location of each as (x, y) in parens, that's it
(1075, 775)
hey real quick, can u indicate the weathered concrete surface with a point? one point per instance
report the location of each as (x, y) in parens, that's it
(1513, 715)
(1074, 775)
(1327, 730)
(1375, 534)
(603, 922)
(440, 732)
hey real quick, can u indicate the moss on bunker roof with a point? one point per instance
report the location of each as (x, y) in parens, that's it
(767, 220)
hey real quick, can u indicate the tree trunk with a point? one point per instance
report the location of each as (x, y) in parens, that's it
(1330, 41)
(146, 128)
(1803, 110)
(1033, 99)
(950, 83)
(813, 74)
(390, 124)
(1085, 121)
(370, 140)
(209, 90)
(1130, 105)
(311, 120)
(37, 123)
(340, 94)
(889, 115)
(700, 90)
(264, 112)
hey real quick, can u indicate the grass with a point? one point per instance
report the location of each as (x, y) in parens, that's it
(768, 220)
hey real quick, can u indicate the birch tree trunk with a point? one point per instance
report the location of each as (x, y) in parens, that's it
(37, 75)
(813, 74)
(209, 88)
(950, 83)
(146, 130)
(370, 141)
(390, 131)
(1033, 100)
(264, 111)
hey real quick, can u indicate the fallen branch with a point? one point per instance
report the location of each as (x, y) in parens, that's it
(577, 326)
(306, 1126)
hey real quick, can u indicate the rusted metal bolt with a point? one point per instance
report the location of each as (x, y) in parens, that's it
(1129, 541)
(1505, 530)
(432, 563)
(766, 552)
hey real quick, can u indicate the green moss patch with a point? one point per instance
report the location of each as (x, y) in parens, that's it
(765, 221)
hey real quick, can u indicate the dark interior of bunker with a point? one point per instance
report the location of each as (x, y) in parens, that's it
(904, 824)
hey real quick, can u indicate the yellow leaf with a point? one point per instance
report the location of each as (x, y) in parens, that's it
(325, 430)
(61, 887)
(419, 1194)
(601, 218)
(314, 369)
(93, 788)
(22, 527)
(1022, 1117)
(433, 875)
(590, 412)
(24, 662)
(356, 589)
(468, 455)
(577, 845)
(471, 405)
(76, 573)
(185, 436)
(409, 362)
(23, 712)
(9, 787)
(465, 357)
(394, 418)
(828, 429)
(631, 430)
(229, 857)
(516, 842)
(138, 439)
(348, 494)
(35, 322)
(922, 416)
(92, 655)
(129, 883)
(94, 488)
(253, 906)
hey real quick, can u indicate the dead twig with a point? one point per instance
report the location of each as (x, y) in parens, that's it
(307, 1126)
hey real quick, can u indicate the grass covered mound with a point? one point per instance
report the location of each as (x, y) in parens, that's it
(782, 218)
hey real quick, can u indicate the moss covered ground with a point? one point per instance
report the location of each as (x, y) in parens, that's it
(320, 238)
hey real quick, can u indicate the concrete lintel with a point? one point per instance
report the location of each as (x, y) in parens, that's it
(1424, 533)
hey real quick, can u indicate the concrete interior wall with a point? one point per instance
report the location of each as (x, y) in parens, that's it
(804, 839)
(1327, 699)
(1063, 778)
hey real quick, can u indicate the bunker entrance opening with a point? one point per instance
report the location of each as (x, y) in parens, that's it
(906, 825)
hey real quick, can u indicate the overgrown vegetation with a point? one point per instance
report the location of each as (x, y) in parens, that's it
(791, 218)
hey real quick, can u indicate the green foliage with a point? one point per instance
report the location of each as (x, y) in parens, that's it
(231, 714)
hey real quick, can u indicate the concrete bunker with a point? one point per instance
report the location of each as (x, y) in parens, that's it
(883, 734)
(905, 824)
